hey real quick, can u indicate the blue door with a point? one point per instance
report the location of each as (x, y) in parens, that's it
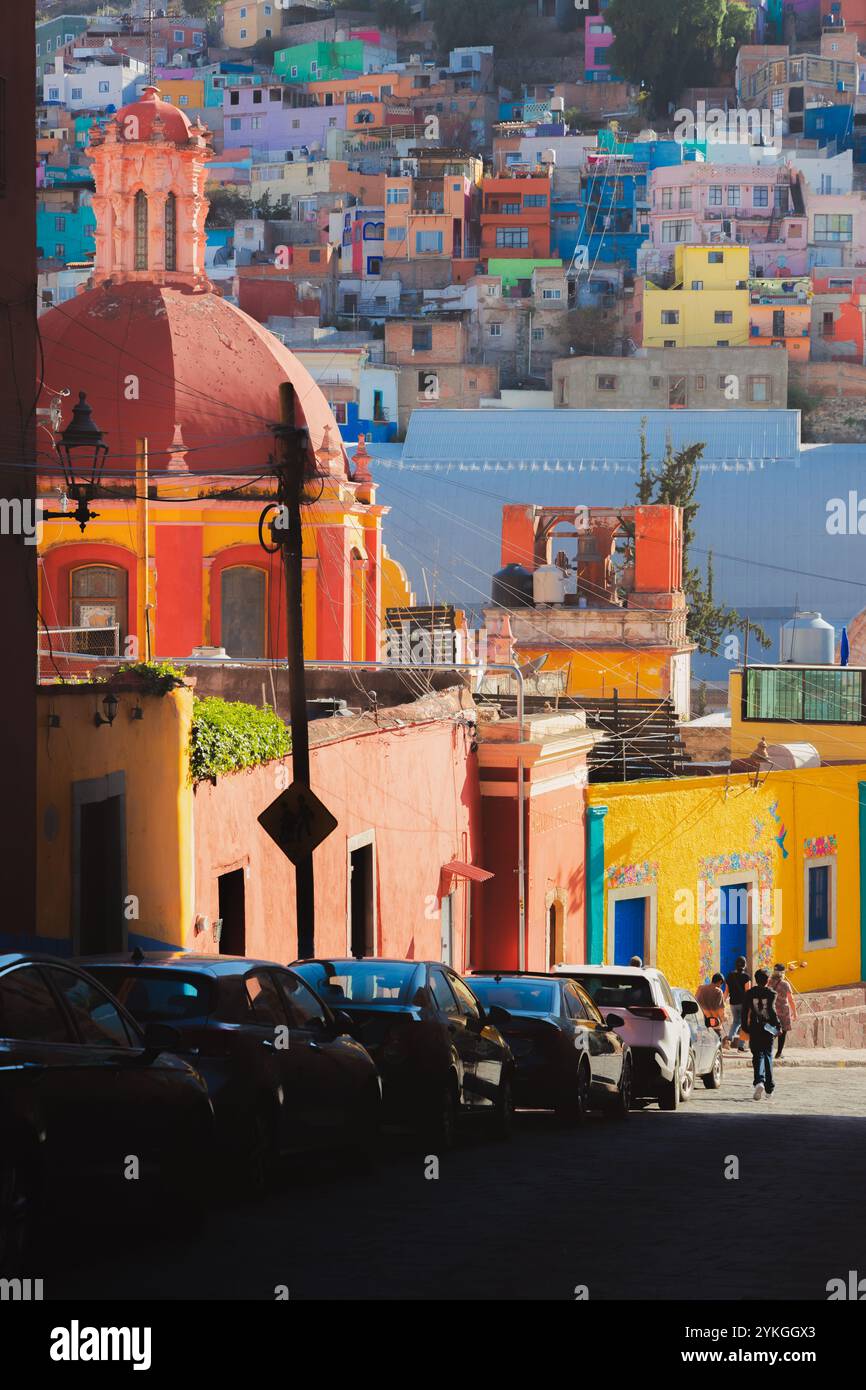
(733, 924)
(629, 918)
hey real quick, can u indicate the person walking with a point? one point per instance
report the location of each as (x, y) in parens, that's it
(760, 1021)
(711, 998)
(738, 982)
(786, 1009)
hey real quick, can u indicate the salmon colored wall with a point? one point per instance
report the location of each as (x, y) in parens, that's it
(418, 787)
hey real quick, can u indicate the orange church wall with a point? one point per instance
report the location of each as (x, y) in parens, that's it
(179, 571)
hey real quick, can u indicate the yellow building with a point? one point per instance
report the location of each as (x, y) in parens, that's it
(186, 93)
(708, 305)
(708, 868)
(245, 22)
(821, 705)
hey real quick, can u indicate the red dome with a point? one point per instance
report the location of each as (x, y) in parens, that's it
(146, 109)
(191, 359)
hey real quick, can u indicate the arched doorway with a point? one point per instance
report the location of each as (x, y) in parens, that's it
(98, 601)
(243, 590)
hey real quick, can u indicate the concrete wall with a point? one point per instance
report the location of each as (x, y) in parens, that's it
(575, 379)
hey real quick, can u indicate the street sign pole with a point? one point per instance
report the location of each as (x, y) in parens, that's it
(292, 465)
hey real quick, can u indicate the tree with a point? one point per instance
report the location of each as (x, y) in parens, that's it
(686, 43)
(461, 25)
(202, 9)
(394, 14)
(227, 206)
(675, 484)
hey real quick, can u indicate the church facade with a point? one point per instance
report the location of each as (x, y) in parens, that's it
(185, 388)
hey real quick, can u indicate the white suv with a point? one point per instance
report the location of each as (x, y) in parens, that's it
(653, 1026)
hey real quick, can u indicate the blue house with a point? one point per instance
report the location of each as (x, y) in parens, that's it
(836, 127)
(66, 234)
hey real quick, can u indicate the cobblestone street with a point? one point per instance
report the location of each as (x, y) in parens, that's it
(628, 1210)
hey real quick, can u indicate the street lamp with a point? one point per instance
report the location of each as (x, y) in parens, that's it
(82, 452)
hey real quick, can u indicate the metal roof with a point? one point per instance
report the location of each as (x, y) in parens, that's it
(578, 440)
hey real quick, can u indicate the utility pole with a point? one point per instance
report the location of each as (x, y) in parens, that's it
(291, 473)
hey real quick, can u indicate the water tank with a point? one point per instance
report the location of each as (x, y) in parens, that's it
(557, 103)
(548, 157)
(794, 755)
(806, 640)
(548, 584)
(512, 587)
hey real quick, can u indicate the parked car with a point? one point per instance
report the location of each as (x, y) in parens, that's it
(567, 1057)
(705, 1053)
(82, 1090)
(283, 1072)
(439, 1052)
(654, 1024)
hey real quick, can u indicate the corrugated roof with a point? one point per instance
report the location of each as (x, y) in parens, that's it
(525, 438)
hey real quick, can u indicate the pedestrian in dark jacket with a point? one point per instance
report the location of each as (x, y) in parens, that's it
(737, 982)
(762, 1025)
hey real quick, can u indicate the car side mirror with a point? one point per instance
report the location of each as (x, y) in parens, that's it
(689, 1006)
(499, 1016)
(342, 1021)
(162, 1037)
(614, 1021)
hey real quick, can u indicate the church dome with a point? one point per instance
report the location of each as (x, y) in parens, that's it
(151, 357)
(136, 121)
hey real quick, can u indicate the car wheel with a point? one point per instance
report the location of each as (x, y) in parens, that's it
(363, 1149)
(262, 1154)
(687, 1080)
(623, 1100)
(713, 1079)
(440, 1126)
(669, 1091)
(17, 1216)
(503, 1110)
(574, 1107)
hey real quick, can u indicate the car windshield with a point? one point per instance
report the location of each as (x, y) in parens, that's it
(359, 981)
(157, 996)
(613, 991)
(518, 996)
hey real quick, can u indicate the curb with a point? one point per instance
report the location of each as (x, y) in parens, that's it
(800, 1062)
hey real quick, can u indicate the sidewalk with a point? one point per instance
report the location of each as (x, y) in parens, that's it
(805, 1057)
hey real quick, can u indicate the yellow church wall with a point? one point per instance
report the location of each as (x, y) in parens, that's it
(675, 843)
(151, 754)
(600, 672)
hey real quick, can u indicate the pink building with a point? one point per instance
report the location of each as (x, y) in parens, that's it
(598, 37)
(763, 208)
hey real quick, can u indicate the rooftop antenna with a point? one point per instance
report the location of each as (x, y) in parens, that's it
(150, 76)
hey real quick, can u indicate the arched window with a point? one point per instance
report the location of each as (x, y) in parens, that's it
(97, 603)
(141, 230)
(171, 232)
(242, 609)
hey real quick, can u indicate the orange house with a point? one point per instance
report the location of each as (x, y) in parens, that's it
(428, 218)
(785, 326)
(515, 216)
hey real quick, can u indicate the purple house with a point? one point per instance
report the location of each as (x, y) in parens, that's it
(277, 117)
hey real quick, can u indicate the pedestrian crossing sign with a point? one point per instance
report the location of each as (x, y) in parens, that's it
(297, 821)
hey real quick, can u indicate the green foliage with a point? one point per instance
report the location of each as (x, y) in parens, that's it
(461, 25)
(686, 43)
(158, 677)
(394, 14)
(202, 9)
(227, 206)
(675, 484)
(228, 735)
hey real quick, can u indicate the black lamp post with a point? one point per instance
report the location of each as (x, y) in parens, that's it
(82, 452)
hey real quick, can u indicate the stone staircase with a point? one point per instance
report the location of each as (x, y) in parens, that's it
(830, 1018)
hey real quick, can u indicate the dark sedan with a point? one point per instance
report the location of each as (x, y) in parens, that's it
(439, 1053)
(87, 1100)
(282, 1070)
(567, 1058)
